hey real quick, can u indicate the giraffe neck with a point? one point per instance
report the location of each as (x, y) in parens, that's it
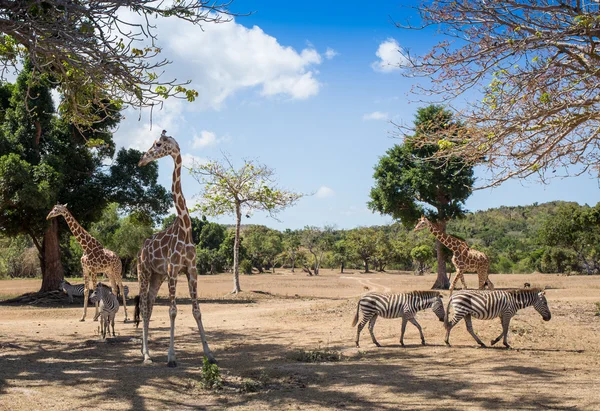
(182, 211)
(443, 238)
(87, 242)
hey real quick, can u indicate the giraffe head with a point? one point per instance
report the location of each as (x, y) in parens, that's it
(59, 209)
(423, 222)
(164, 146)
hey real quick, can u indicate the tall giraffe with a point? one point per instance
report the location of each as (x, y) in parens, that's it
(166, 254)
(96, 259)
(464, 258)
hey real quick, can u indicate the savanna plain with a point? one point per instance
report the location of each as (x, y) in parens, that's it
(265, 337)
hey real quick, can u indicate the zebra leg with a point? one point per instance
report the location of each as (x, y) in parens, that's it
(112, 322)
(70, 293)
(451, 325)
(404, 321)
(360, 327)
(414, 322)
(371, 326)
(505, 326)
(172, 273)
(470, 330)
(495, 340)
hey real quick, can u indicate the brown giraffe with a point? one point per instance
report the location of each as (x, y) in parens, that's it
(166, 254)
(464, 258)
(96, 259)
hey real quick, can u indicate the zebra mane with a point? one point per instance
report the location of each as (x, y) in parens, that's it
(425, 294)
(524, 291)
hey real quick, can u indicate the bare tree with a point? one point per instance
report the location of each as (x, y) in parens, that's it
(536, 63)
(250, 188)
(98, 52)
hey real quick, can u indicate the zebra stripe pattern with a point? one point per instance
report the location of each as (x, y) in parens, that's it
(405, 305)
(78, 289)
(108, 306)
(487, 305)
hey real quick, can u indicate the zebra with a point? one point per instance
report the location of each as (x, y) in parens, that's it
(487, 305)
(77, 289)
(108, 306)
(404, 305)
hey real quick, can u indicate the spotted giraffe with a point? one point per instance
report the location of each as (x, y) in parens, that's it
(464, 258)
(96, 259)
(166, 254)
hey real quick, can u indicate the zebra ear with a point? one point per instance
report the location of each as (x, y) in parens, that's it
(542, 293)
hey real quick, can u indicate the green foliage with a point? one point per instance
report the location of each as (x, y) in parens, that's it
(319, 355)
(211, 376)
(421, 255)
(246, 266)
(18, 258)
(263, 245)
(408, 183)
(362, 242)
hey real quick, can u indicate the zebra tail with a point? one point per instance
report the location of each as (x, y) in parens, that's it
(136, 312)
(355, 321)
(446, 322)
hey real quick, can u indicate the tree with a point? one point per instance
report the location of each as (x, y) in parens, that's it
(98, 53)
(43, 160)
(263, 245)
(291, 245)
(578, 229)
(421, 255)
(535, 64)
(342, 253)
(362, 242)
(316, 241)
(250, 188)
(408, 184)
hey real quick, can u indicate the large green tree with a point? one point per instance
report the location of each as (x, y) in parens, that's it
(409, 182)
(43, 159)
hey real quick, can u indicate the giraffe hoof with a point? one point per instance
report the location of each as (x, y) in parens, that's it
(82, 320)
(172, 364)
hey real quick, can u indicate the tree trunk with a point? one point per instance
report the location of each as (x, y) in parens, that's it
(367, 266)
(442, 282)
(342, 268)
(293, 261)
(52, 269)
(236, 251)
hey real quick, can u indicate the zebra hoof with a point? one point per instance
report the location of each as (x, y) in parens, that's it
(172, 364)
(482, 346)
(377, 344)
(423, 342)
(148, 361)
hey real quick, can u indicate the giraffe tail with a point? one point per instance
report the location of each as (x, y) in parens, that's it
(136, 312)
(355, 321)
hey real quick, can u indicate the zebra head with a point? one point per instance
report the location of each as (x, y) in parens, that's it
(97, 293)
(541, 306)
(62, 284)
(438, 308)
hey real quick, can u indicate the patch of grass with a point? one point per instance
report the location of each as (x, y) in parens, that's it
(319, 355)
(597, 310)
(211, 376)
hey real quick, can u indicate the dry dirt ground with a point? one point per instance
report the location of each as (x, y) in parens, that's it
(50, 360)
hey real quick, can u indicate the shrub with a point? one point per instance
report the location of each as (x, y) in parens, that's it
(318, 355)
(211, 376)
(246, 266)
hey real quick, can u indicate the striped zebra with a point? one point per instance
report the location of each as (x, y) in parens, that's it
(78, 289)
(487, 305)
(373, 305)
(108, 306)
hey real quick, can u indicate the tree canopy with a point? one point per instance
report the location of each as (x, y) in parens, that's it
(535, 65)
(99, 54)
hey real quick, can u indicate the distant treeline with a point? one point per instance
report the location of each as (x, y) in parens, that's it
(555, 237)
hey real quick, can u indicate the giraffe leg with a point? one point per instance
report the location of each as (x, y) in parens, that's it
(371, 328)
(485, 279)
(172, 273)
(456, 276)
(94, 283)
(86, 291)
(192, 277)
(143, 281)
(414, 322)
(462, 280)
(118, 278)
(470, 330)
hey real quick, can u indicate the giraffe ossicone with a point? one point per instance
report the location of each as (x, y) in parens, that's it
(166, 254)
(464, 258)
(95, 260)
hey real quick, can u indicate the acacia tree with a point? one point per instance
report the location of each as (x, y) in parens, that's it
(535, 64)
(362, 242)
(316, 241)
(250, 188)
(408, 184)
(291, 244)
(98, 53)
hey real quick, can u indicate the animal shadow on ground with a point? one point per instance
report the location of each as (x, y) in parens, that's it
(114, 372)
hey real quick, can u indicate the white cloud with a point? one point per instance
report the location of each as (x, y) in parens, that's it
(391, 57)
(205, 139)
(330, 53)
(223, 59)
(189, 160)
(324, 192)
(376, 115)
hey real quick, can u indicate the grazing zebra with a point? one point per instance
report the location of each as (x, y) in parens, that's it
(405, 305)
(78, 289)
(487, 305)
(108, 306)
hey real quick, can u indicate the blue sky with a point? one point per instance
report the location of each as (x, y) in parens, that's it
(298, 86)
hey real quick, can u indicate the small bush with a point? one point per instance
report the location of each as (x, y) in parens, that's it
(246, 267)
(318, 355)
(211, 376)
(597, 309)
